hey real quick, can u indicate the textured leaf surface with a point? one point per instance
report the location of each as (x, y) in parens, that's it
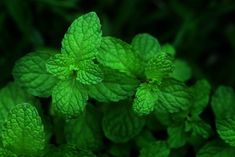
(159, 67)
(198, 127)
(176, 136)
(69, 98)
(201, 95)
(216, 149)
(10, 96)
(146, 46)
(85, 131)
(226, 129)
(155, 149)
(30, 73)
(23, 131)
(223, 102)
(145, 99)
(120, 124)
(173, 96)
(6, 153)
(60, 65)
(115, 86)
(89, 72)
(83, 37)
(118, 55)
(182, 70)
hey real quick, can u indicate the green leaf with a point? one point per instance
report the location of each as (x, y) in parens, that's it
(10, 96)
(118, 55)
(159, 67)
(85, 131)
(115, 86)
(89, 72)
(146, 46)
(176, 136)
(145, 99)
(198, 127)
(61, 66)
(223, 102)
(6, 153)
(169, 49)
(200, 96)
(120, 124)
(182, 71)
(155, 149)
(226, 129)
(69, 98)
(83, 37)
(216, 149)
(174, 96)
(23, 131)
(30, 73)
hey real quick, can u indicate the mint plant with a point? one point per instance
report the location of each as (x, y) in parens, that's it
(101, 96)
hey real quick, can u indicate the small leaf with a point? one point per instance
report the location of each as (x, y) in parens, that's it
(155, 149)
(169, 49)
(118, 55)
(223, 102)
(159, 67)
(146, 46)
(83, 37)
(145, 100)
(226, 129)
(23, 131)
(69, 98)
(173, 96)
(120, 124)
(60, 65)
(30, 73)
(89, 72)
(200, 96)
(115, 86)
(176, 136)
(10, 96)
(182, 71)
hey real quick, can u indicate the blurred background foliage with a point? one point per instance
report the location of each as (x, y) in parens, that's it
(202, 31)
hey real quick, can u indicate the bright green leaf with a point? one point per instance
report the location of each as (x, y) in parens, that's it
(226, 129)
(23, 131)
(30, 73)
(115, 86)
(69, 98)
(10, 96)
(200, 96)
(120, 124)
(89, 72)
(182, 71)
(6, 153)
(146, 46)
(118, 55)
(145, 99)
(174, 96)
(169, 49)
(61, 66)
(155, 149)
(83, 37)
(159, 67)
(223, 102)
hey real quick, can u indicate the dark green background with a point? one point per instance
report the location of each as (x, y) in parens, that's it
(203, 31)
